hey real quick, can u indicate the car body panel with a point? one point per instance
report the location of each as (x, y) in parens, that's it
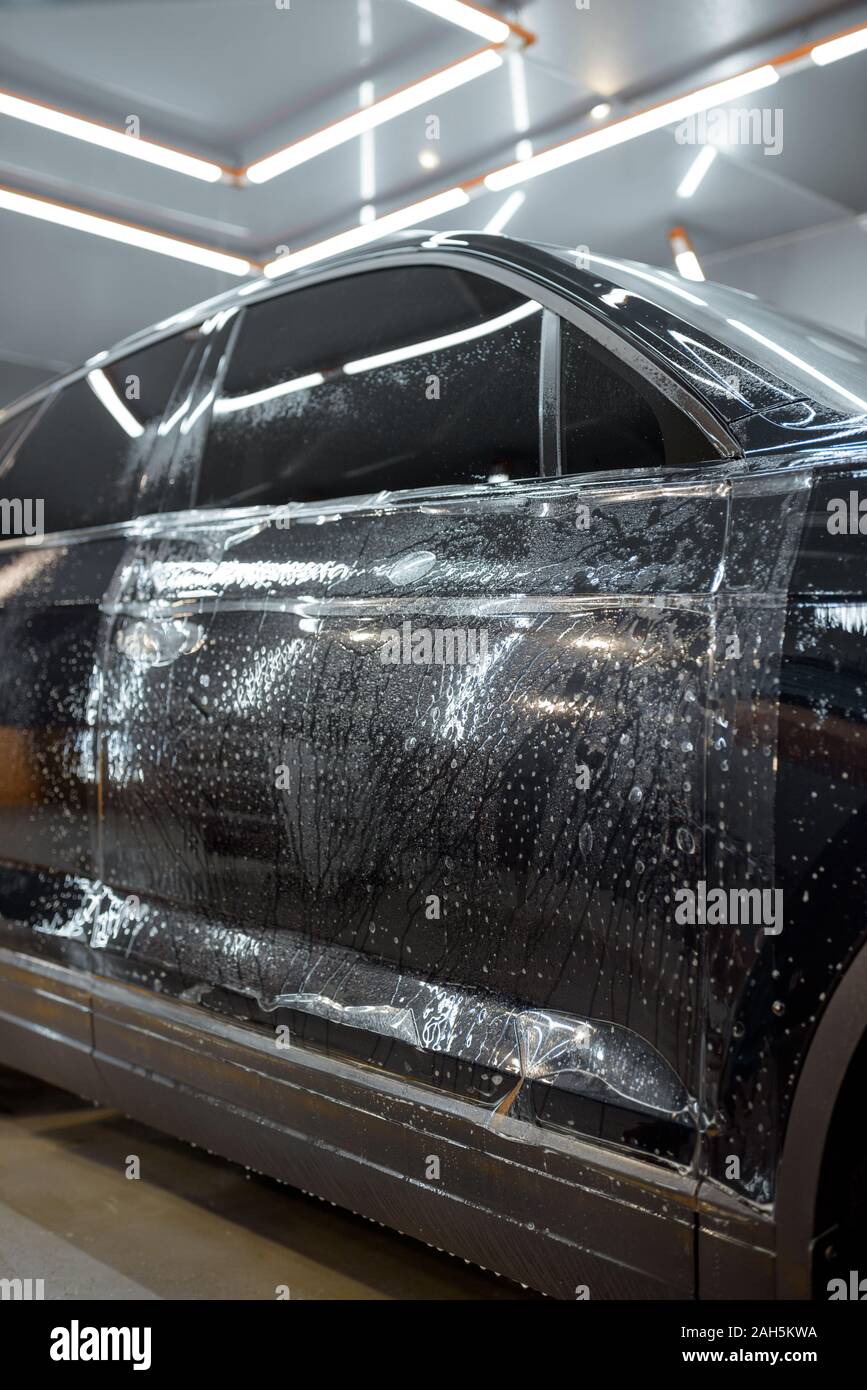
(464, 875)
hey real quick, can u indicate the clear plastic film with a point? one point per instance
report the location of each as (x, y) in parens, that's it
(286, 803)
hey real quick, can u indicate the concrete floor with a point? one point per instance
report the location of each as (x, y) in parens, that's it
(191, 1227)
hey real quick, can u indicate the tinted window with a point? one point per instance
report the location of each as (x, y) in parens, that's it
(84, 455)
(391, 379)
(12, 428)
(612, 418)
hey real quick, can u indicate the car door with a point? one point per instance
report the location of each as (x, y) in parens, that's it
(73, 467)
(404, 722)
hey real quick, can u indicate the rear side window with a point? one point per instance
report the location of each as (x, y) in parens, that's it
(83, 456)
(392, 379)
(11, 429)
(610, 417)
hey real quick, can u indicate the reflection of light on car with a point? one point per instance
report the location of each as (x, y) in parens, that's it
(168, 425)
(228, 404)
(197, 413)
(796, 361)
(107, 396)
(555, 706)
(663, 283)
(615, 298)
(448, 340)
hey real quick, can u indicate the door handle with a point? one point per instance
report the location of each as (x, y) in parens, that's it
(158, 641)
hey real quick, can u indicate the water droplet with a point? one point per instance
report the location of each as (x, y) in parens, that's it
(685, 840)
(585, 838)
(636, 795)
(411, 567)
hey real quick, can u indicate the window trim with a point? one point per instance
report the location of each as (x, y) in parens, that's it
(550, 388)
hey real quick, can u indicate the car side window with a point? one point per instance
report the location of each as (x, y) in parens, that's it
(84, 455)
(11, 429)
(391, 379)
(611, 417)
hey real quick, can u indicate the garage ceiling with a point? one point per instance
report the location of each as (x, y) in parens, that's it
(232, 80)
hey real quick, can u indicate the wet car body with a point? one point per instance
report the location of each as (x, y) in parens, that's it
(397, 921)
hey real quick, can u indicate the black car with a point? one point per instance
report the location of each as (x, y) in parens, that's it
(434, 757)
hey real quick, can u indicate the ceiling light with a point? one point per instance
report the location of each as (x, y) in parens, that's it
(798, 362)
(463, 335)
(630, 127)
(109, 139)
(600, 110)
(398, 221)
(504, 214)
(688, 265)
(835, 49)
(122, 231)
(518, 89)
(107, 396)
(369, 117)
(487, 26)
(696, 171)
(366, 150)
(685, 259)
(429, 159)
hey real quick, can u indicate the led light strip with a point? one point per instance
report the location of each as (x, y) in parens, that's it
(618, 132)
(50, 118)
(855, 41)
(687, 262)
(580, 147)
(469, 17)
(125, 232)
(589, 142)
(397, 221)
(482, 22)
(369, 117)
(696, 172)
(630, 127)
